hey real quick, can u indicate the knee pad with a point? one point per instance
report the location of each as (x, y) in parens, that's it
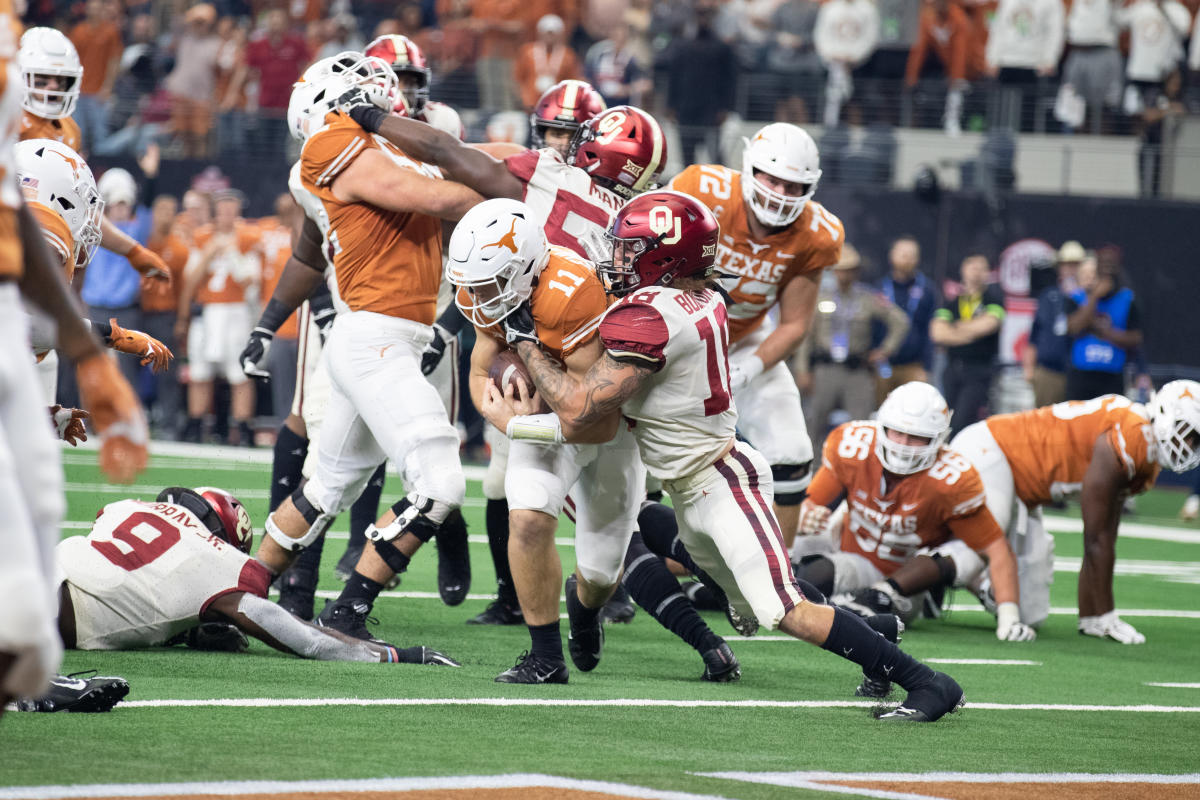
(318, 522)
(817, 571)
(811, 592)
(397, 562)
(414, 514)
(790, 482)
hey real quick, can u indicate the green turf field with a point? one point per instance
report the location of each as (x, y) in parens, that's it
(643, 717)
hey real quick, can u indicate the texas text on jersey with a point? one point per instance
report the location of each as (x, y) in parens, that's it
(148, 571)
(889, 521)
(756, 270)
(1050, 448)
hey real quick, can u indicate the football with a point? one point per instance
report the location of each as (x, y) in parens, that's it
(506, 366)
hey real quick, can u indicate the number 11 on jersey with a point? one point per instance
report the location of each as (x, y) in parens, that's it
(716, 349)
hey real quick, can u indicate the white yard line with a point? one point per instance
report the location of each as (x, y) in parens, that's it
(1176, 685)
(1128, 530)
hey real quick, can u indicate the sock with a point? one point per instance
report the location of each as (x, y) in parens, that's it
(496, 520)
(360, 587)
(309, 559)
(366, 508)
(290, 450)
(654, 588)
(854, 640)
(546, 641)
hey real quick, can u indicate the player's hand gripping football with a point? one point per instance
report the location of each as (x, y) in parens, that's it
(517, 400)
(519, 326)
(117, 417)
(152, 351)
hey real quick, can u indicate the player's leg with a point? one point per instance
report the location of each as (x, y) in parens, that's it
(505, 609)
(363, 514)
(454, 555)
(234, 333)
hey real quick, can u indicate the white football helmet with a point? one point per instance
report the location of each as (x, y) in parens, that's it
(918, 409)
(317, 91)
(45, 53)
(495, 253)
(784, 151)
(56, 176)
(1175, 418)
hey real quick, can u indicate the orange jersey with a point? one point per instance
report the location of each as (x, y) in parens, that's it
(230, 274)
(568, 303)
(888, 524)
(277, 249)
(388, 262)
(12, 263)
(1049, 449)
(60, 130)
(762, 266)
(155, 295)
(57, 235)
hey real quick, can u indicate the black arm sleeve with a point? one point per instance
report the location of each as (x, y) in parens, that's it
(321, 299)
(452, 320)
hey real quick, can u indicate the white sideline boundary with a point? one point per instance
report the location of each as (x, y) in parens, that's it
(529, 702)
(244, 788)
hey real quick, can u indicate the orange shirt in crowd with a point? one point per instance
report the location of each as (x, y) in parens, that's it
(98, 46)
(949, 38)
(60, 130)
(156, 296)
(495, 42)
(534, 62)
(228, 278)
(276, 241)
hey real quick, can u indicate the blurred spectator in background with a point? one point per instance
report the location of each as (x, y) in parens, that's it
(450, 51)
(98, 42)
(275, 234)
(746, 26)
(1157, 30)
(845, 37)
(195, 213)
(1024, 44)
(192, 83)
(341, 34)
(502, 26)
(1160, 124)
(669, 20)
(1045, 357)
(225, 265)
(944, 29)
(545, 61)
(137, 81)
(612, 67)
(836, 364)
(1106, 327)
(275, 58)
(701, 72)
(909, 289)
(968, 326)
(791, 56)
(159, 304)
(231, 99)
(1092, 71)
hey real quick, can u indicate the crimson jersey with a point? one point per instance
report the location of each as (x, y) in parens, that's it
(148, 571)
(888, 521)
(759, 268)
(574, 211)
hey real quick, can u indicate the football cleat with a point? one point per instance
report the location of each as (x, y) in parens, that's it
(619, 607)
(498, 612)
(212, 637)
(349, 617)
(423, 655)
(889, 626)
(745, 626)
(1110, 626)
(297, 592)
(928, 703)
(454, 562)
(721, 665)
(585, 642)
(94, 693)
(532, 668)
(873, 688)
(869, 602)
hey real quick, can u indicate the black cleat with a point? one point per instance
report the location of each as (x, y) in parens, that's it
(454, 561)
(928, 703)
(532, 668)
(92, 694)
(498, 612)
(721, 665)
(423, 655)
(890, 627)
(346, 564)
(349, 617)
(585, 642)
(870, 687)
(297, 592)
(619, 607)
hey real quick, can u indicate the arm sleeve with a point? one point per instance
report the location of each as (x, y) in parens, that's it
(636, 334)
(300, 638)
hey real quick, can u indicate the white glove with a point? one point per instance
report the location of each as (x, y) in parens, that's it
(1110, 626)
(813, 518)
(741, 373)
(1009, 627)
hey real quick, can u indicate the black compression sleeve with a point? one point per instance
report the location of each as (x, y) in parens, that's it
(274, 315)
(452, 320)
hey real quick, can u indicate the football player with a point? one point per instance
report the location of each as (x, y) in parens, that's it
(908, 496)
(413, 75)
(51, 75)
(775, 243)
(30, 476)
(382, 212)
(665, 370)
(1103, 450)
(148, 571)
(557, 119)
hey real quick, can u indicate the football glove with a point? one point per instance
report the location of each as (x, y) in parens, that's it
(149, 264)
(68, 422)
(363, 107)
(519, 326)
(213, 637)
(1009, 627)
(813, 517)
(1110, 626)
(741, 374)
(431, 356)
(136, 343)
(254, 355)
(116, 415)
(324, 319)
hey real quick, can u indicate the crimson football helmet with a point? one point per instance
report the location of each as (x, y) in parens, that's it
(658, 237)
(623, 149)
(218, 510)
(405, 58)
(565, 106)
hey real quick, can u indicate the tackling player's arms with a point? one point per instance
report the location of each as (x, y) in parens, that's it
(374, 178)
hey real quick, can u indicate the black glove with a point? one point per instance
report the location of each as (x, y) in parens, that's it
(254, 357)
(519, 326)
(324, 320)
(431, 356)
(360, 108)
(214, 637)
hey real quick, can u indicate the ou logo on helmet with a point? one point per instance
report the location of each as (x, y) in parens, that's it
(664, 222)
(610, 127)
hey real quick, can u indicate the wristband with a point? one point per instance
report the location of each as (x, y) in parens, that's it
(536, 428)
